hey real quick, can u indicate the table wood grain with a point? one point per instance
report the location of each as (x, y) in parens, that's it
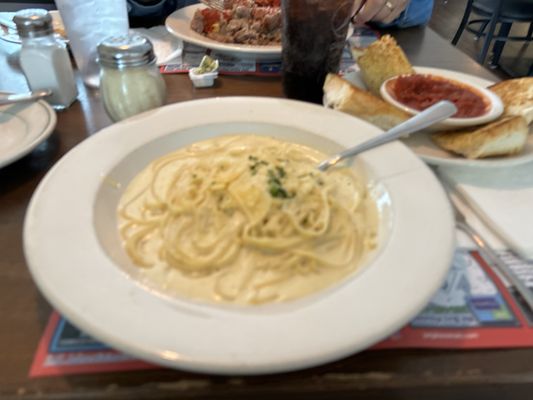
(399, 374)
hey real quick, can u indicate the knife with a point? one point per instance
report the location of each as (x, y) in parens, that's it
(21, 97)
(487, 252)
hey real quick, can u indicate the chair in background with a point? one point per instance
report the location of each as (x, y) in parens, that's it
(492, 13)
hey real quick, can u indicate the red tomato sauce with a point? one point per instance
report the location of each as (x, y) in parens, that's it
(212, 17)
(268, 3)
(422, 91)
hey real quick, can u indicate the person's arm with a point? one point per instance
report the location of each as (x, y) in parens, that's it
(398, 13)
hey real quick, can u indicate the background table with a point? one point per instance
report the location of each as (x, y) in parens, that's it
(413, 374)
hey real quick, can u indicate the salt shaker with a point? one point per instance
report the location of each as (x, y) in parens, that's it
(44, 58)
(130, 82)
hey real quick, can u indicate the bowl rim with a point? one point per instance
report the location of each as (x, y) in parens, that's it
(495, 110)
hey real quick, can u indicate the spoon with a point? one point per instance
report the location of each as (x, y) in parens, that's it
(436, 113)
(20, 97)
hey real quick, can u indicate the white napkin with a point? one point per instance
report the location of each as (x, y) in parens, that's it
(166, 46)
(503, 199)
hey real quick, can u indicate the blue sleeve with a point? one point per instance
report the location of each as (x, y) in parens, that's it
(185, 3)
(418, 12)
(161, 8)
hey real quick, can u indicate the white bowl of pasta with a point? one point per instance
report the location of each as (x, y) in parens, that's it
(211, 221)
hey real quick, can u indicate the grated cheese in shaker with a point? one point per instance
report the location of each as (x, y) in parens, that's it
(130, 82)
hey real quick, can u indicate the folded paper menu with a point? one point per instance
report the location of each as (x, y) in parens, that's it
(503, 199)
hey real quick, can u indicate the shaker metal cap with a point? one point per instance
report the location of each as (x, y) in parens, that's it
(33, 22)
(123, 51)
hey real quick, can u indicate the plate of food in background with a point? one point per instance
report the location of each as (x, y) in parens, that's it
(245, 29)
(209, 240)
(503, 140)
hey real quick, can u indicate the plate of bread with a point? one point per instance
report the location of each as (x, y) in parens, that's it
(503, 141)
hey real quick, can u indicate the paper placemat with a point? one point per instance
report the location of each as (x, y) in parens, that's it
(475, 308)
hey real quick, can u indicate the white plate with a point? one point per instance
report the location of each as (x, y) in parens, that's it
(73, 249)
(423, 146)
(23, 126)
(179, 24)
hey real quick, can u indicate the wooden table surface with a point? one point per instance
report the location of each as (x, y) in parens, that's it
(413, 374)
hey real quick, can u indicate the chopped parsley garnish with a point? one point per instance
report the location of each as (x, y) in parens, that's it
(255, 164)
(278, 191)
(275, 186)
(272, 176)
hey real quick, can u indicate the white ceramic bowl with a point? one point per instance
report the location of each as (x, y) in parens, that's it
(74, 253)
(494, 110)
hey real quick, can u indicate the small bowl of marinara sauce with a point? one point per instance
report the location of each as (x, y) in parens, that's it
(415, 92)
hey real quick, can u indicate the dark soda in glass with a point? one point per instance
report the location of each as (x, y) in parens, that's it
(314, 35)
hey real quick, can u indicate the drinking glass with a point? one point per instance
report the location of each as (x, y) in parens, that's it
(314, 35)
(87, 23)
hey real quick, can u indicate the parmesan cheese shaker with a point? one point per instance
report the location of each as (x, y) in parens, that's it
(130, 81)
(44, 58)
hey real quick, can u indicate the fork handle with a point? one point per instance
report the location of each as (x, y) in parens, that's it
(436, 113)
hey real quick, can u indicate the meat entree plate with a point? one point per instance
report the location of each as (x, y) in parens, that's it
(179, 24)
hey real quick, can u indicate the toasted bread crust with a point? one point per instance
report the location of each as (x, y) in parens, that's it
(341, 95)
(382, 60)
(517, 96)
(505, 136)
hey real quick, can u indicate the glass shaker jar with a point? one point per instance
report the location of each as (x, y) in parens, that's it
(130, 82)
(44, 58)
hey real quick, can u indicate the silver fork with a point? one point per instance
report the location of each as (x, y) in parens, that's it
(216, 4)
(485, 249)
(436, 113)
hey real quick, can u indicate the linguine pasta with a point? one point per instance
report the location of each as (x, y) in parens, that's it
(246, 219)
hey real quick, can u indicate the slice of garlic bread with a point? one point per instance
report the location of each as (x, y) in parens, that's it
(517, 96)
(382, 60)
(505, 136)
(341, 95)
